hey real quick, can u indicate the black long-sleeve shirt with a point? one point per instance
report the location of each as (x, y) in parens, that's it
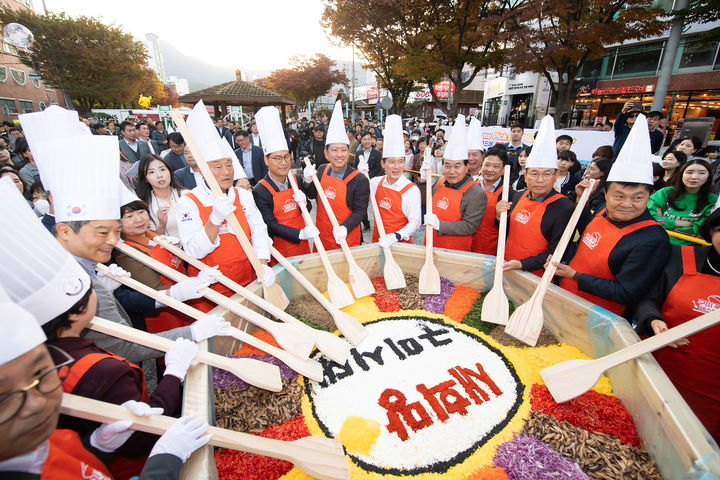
(356, 199)
(635, 262)
(265, 203)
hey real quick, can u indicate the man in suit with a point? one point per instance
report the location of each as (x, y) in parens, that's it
(251, 157)
(254, 135)
(160, 135)
(190, 175)
(174, 157)
(144, 136)
(223, 131)
(368, 155)
(130, 147)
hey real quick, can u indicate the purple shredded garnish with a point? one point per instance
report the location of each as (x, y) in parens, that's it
(436, 303)
(525, 457)
(223, 379)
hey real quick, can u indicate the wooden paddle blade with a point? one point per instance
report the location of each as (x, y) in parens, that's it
(332, 346)
(517, 321)
(260, 374)
(354, 331)
(394, 277)
(338, 291)
(322, 458)
(359, 281)
(429, 280)
(298, 342)
(570, 379)
(309, 368)
(495, 307)
(276, 295)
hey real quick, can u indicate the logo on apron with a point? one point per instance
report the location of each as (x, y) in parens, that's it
(330, 193)
(443, 203)
(706, 305)
(289, 205)
(523, 216)
(591, 239)
(385, 203)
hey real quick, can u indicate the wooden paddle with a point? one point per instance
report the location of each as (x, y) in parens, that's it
(348, 325)
(429, 280)
(359, 281)
(304, 366)
(319, 457)
(330, 345)
(526, 322)
(572, 378)
(495, 307)
(339, 293)
(299, 343)
(392, 273)
(254, 372)
(274, 293)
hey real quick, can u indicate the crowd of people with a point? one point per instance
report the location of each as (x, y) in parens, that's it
(77, 189)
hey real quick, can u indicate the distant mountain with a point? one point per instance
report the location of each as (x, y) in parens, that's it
(199, 74)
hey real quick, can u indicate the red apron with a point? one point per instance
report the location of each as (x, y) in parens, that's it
(287, 212)
(525, 238)
(593, 253)
(69, 460)
(121, 467)
(336, 193)
(485, 240)
(389, 204)
(229, 255)
(446, 206)
(163, 319)
(694, 368)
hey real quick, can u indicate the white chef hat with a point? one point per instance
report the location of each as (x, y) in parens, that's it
(457, 148)
(394, 143)
(205, 134)
(474, 136)
(336, 132)
(36, 271)
(46, 127)
(238, 171)
(634, 162)
(544, 151)
(126, 195)
(19, 332)
(83, 176)
(272, 135)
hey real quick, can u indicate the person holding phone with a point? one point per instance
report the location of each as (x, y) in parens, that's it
(624, 122)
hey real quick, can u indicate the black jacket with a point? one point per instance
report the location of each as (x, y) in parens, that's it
(374, 161)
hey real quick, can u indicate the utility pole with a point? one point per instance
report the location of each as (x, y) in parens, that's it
(352, 88)
(668, 60)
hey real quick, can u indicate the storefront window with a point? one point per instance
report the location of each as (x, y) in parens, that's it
(8, 106)
(595, 67)
(697, 54)
(3, 73)
(26, 106)
(638, 60)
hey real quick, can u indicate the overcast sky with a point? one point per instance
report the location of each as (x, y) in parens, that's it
(246, 34)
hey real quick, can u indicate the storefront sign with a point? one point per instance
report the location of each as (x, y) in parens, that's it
(583, 86)
(372, 95)
(629, 90)
(522, 84)
(443, 89)
(496, 87)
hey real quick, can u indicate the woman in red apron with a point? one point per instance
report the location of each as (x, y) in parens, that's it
(690, 287)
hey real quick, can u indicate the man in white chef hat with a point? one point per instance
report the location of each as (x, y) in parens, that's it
(537, 217)
(273, 194)
(398, 199)
(202, 219)
(622, 250)
(30, 396)
(458, 203)
(347, 190)
(476, 152)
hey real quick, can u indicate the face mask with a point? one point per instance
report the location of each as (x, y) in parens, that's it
(415, 137)
(42, 206)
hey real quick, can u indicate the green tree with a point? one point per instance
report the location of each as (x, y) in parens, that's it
(556, 37)
(96, 64)
(702, 11)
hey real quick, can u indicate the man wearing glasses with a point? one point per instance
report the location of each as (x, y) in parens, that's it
(623, 124)
(274, 195)
(538, 215)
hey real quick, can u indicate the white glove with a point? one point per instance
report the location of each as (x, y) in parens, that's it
(111, 436)
(432, 219)
(108, 282)
(388, 240)
(182, 438)
(363, 165)
(209, 326)
(179, 357)
(268, 276)
(300, 198)
(308, 173)
(310, 231)
(210, 274)
(222, 207)
(339, 233)
(169, 239)
(424, 169)
(188, 289)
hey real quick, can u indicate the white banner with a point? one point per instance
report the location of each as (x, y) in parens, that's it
(585, 142)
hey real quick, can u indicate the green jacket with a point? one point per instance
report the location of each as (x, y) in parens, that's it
(686, 204)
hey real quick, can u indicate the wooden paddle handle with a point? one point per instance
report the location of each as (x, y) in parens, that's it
(322, 197)
(428, 209)
(376, 210)
(308, 221)
(302, 280)
(502, 228)
(217, 192)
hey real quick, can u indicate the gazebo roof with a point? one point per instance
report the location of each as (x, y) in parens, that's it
(237, 92)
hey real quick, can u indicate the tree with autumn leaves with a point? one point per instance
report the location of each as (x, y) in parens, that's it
(95, 64)
(308, 78)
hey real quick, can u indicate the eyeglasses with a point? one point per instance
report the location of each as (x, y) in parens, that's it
(546, 175)
(281, 158)
(46, 382)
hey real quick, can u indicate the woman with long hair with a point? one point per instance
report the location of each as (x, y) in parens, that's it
(517, 173)
(158, 188)
(683, 207)
(598, 169)
(671, 162)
